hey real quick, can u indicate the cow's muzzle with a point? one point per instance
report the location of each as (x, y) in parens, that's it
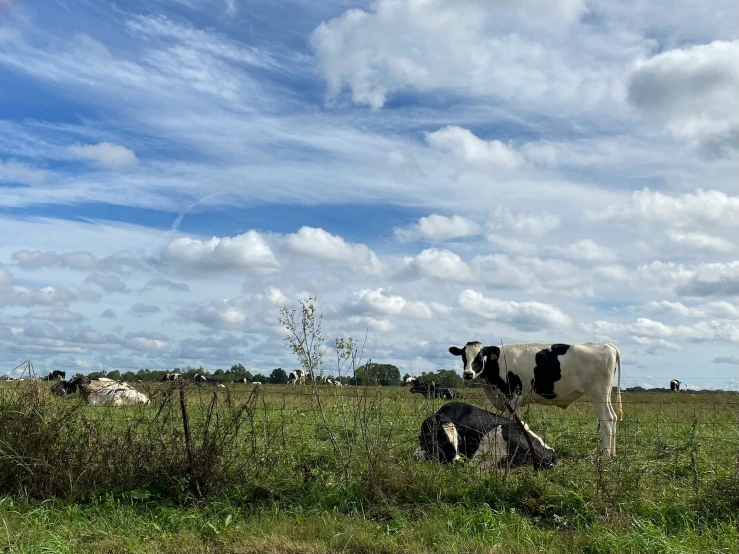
(468, 375)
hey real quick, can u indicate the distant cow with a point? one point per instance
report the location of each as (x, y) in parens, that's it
(242, 381)
(64, 388)
(105, 392)
(198, 378)
(409, 380)
(433, 390)
(56, 374)
(296, 377)
(553, 374)
(675, 385)
(460, 429)
(171, 377)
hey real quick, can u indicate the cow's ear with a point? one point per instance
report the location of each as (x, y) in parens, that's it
(454, 351)
(491, 352)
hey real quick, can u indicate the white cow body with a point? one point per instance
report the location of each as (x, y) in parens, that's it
(110, 393)
(551, 374)
(297, 376)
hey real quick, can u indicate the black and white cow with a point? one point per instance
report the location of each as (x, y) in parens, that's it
(242, 381)
(171, 377)
(552, 374)
(64, 388)
(56, 374)
(297, 376)
(199, 378)
(460, 429)
(433, 390)
(675, 385)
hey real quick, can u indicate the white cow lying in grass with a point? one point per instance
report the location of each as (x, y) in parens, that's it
(106, 392)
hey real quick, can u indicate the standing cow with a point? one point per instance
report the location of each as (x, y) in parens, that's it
(296, 377)
(675, 385)
(552, 374)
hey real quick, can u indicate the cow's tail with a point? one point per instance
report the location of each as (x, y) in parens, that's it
(619, 408)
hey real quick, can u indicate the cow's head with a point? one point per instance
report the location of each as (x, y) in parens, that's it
(474, 357)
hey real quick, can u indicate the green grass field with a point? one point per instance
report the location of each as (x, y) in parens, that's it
(258, 472)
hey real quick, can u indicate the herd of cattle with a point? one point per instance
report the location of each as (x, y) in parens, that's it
(511, 375)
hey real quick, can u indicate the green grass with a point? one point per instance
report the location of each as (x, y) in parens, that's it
(123, 482)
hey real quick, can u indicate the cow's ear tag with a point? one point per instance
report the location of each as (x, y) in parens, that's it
(493, 356)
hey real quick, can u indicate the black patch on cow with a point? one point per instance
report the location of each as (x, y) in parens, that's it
(547, 370)
(509, 386)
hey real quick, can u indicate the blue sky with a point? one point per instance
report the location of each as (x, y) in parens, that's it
(433, 171)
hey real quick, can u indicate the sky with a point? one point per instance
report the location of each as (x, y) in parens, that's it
(174, 172)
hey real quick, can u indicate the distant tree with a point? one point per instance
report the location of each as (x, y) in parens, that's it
(384, 375)
(447, 377)
(278, 376)
(128, 376)
(219, 373)
(115, 374)
(96, 374)
(238, 371)
(261, 378)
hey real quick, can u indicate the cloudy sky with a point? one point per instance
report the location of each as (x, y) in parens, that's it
(434, 171)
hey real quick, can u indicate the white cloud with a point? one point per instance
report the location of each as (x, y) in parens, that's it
(700, 280)
(525, 316)
(13, 294)
(167, 284)
(141, 310)
(224, 314)
(512, 246)
(438, 228)
(588, 250)
(106, 154)
(644, 327)
(710, 310)
(322, 245)
(32, 260)
(702, 207)
(440, 264)
(108, 313)
(249, 253)
(733, 360)
(500, 271)
(701, 241)
(380, 302)
(468, 148)
(535, 224)
(108, 282)
(15, 171)
(150, 341)
(693, 92)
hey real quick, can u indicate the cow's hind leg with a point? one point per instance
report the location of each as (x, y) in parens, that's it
(607, 419)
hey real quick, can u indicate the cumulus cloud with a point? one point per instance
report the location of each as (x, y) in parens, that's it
(692, 91)
(711, 330)
(407, 45)
(465, 147)
(535, 224)
(249, 253)
(108, 313)
(500, 271)
(108, 282)
(105, 154)
(222, 314)
(15, 171)
(438, 228)
(701, 241)
(319, 244)
(440, 264)
(32, 260)
(733, 360)
(167, 284)
(702, 207)
(587, 250)
(141, 310)
(147, 341)
(700, 280)
(524, 316)
(14, 294)
(380, 302)
(724, 310)
(512, 246)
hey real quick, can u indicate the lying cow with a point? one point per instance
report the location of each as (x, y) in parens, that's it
(198, 378)
(171, 377)
(675, 385)
(460, 429)
(106, 392)
(433, 390)
(553, 374)
(56, 374)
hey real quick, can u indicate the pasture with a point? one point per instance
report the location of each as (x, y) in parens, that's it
(279, 469)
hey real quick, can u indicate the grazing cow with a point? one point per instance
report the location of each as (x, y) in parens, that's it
(171, 377)
(106, 392)
(64, 388)
(552, 374)
(434, 390)
(297, 376)
(675, 385)
(460, 429)
(242, 381)
(198, 378)
(56, 374)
